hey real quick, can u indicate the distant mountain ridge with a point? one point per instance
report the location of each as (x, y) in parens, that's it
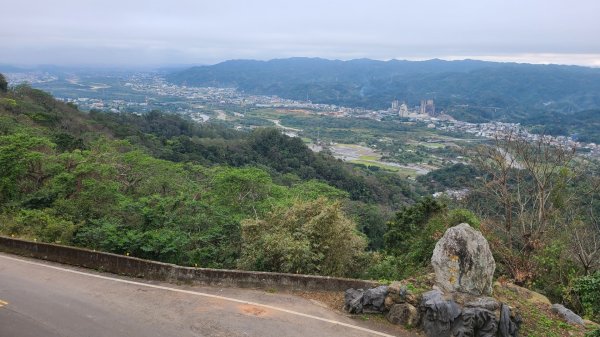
(519, 91)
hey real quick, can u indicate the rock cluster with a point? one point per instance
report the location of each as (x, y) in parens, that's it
(439, 314)
(365, 301)
(402, 305)
(464, 269)
(459, 304)
(443, 316)
(399, 293)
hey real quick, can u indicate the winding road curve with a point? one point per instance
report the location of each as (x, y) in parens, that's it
(38, 298)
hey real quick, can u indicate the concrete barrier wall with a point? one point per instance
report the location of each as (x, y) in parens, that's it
(131, 266)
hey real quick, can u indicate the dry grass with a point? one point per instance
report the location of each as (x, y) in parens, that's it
(331, 299)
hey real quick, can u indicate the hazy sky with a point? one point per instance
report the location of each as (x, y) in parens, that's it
(136, 32)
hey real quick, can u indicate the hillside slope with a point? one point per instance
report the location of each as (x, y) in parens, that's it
(162, 187)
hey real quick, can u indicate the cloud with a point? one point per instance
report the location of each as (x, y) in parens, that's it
(185, 31)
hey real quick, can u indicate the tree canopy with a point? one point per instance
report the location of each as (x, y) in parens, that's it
(3, 83)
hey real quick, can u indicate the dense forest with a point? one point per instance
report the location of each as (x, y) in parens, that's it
(474, 91)
(161, 187)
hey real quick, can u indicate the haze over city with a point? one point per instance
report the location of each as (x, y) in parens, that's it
(150, 33)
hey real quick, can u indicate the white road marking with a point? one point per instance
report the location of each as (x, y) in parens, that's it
(196, 293)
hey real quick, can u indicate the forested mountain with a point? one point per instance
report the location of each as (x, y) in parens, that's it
(492, 90)
(170, 137)
(582, 125)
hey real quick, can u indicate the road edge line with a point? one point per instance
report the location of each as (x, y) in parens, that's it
(197, 293)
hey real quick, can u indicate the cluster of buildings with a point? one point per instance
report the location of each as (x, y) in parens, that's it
(34, 77)
(196, 101)
(112, 105)
(456, 194)
(494, 130)
(427, 113)
(223, 96)
(427, 107)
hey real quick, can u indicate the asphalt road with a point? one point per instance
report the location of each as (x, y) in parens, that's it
(41, 299)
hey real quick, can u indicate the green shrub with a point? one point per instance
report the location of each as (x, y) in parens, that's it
(413, 233)
(409, 223)
(163, 244)
(554, 270)
(384, 267)
(41, 225)
(311, 237)
(595, 333)
(587, 289)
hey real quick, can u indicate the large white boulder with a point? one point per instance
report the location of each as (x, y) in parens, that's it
(463, 262)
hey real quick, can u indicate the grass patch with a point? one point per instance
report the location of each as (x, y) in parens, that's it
(264, 113)
(369, 157)
(405, 172)
(376, 164)
(538, 319)
(432, 145)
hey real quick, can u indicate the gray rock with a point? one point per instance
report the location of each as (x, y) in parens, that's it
(567, 314)
(463, 262)
(353, 301)
(438, 314)
(508, 326)
(476, 322)
(441, 316)
(403, 314)
(430, 296)
(485, 302)
(373, 299)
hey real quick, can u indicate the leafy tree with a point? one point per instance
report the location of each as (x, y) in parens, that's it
(311, 237)
(66, 142)
(246, 190)
(412, 235)
(408, 222)
(313, 189)
(41, 225)
(3, 84)
(371, 220)
(21, 159)
(587, 288)
(451, 177)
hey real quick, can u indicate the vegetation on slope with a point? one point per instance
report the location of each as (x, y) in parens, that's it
(164, 188)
